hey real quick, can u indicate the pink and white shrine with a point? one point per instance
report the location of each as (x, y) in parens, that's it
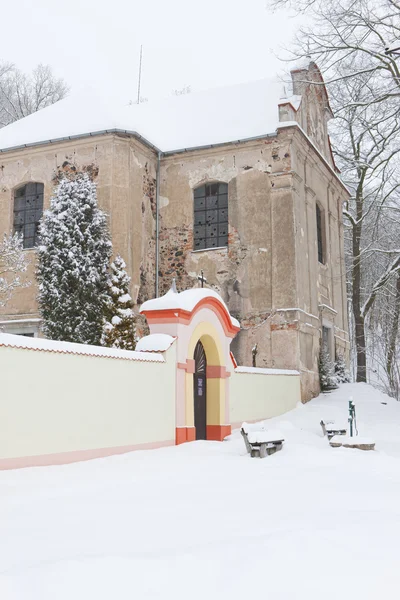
(203, 329)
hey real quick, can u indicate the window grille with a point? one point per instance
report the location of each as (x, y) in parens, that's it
(28, 210)
(320, 235)
(211, 216)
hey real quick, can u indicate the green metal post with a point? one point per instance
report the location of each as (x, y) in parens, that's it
(351, 415)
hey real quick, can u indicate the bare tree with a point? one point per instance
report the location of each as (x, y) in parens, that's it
(13, 263)
(366, 149)
(22, 95)
(392, 363)
(358, 32)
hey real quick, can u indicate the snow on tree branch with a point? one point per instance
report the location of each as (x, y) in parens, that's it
(13, 262)
(392, 268)
(74, 253)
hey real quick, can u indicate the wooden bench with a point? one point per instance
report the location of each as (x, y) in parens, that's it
(330, 429)
(261, 443)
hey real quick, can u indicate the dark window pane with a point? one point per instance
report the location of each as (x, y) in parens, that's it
(28, 242)
(19, 218)
(30, 230)
(19, 203)
(199, 203)
(223, 229)
(30, 188)
(200, 192)
(213, 189)
(223, 188)
(30, 201)
(199, 231)
(200, 218)
(223, 240)
(211, 230)
(30, 216)
(223, 201)
(223, 215)
(212, 216)
(199, 244)
(212, 202)
(20, 192)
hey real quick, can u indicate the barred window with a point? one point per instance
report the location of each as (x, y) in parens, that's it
(28, 210)
(320, 235)
(211, 216)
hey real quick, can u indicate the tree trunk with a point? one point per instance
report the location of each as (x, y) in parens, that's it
(394, 330)
(361, 351)
(356, 291)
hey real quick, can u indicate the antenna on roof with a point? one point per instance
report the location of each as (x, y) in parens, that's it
(140, 74)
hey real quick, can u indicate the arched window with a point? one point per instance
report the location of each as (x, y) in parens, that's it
(211, 216)
(28, 210)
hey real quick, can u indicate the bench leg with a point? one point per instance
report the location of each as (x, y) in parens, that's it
(263, 450)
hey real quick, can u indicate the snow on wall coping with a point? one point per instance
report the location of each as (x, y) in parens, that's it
(155, 342)
(186, 300)
(260, 371)
(26, 321)
(301, 65)
(208, 117)
(19, 341)
(294, 100)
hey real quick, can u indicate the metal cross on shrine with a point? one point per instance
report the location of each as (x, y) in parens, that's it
(202, 279)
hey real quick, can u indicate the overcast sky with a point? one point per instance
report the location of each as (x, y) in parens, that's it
(96, 43)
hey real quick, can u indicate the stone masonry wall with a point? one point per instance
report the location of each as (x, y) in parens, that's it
(125, 173)
(256, 272)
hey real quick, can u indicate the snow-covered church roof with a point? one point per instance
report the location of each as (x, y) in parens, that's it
(220, 115)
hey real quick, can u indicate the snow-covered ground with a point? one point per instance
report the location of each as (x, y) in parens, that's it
(205, 521)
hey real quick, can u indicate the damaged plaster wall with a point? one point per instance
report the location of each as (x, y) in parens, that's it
(256, 272)
(124, 171)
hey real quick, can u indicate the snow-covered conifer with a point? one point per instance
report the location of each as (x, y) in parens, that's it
(341, 372)
(326, 374)
(119, 327)
(73, 259)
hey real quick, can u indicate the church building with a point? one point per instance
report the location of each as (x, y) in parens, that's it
(233, 188)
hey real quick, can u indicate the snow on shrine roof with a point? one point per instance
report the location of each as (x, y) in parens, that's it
(19, 341)
(186, 300)
(209, 117)
(155, 342)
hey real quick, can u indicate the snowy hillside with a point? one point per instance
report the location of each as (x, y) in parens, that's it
(203, 520)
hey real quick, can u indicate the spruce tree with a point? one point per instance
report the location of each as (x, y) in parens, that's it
(119, 326)
(73, 258)
(341, 373)
(326, 375)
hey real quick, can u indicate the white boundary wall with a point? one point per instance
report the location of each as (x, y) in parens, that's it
(258, 394)
(62, 402)
(66, 406)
